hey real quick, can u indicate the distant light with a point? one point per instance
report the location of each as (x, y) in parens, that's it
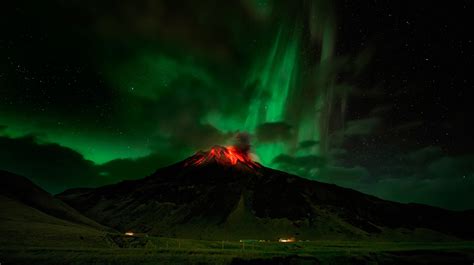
(129, 233)
(286, 240)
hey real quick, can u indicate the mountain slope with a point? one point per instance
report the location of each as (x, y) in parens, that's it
(30, 216)
(221, 195)
(21, 189)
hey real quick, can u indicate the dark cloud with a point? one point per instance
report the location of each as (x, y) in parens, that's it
(408, 126)
(424, 155)
(192, 136)
(380, 110)
(305, 166)
(335, 152)
(56, 168)
(453, 193)
(452, 167)
(425, 175)
(308, 144)
(170, 22)
(274, 131)
(242, 142)
(344, 176)
(122, 169)
(49, 165)
(344, 173)
(361, 126)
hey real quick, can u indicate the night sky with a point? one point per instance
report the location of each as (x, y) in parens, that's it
(371, 95)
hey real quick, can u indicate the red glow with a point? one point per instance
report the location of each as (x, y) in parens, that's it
(229, 155)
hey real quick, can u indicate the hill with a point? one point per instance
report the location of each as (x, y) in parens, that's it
(32, 217)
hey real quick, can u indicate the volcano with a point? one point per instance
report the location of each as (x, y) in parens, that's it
(223, 194)
(231, 156)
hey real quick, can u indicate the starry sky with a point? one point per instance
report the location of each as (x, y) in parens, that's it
(370, 95)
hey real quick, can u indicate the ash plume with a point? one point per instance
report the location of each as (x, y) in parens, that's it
(242, 143)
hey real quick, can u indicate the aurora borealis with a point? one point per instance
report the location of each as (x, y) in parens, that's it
(369, 96)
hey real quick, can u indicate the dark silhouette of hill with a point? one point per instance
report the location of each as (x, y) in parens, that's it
(24, 192)
(31, 217)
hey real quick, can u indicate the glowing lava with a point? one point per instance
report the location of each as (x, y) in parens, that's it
(229, 155)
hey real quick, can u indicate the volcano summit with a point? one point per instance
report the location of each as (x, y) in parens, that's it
(231, 156)
(223, 194)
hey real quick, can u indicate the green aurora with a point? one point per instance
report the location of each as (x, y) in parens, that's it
(116, 92)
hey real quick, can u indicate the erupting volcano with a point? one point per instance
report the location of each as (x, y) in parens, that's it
(230, 155)
(237, 154)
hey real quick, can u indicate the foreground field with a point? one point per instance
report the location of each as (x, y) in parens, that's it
(36, 228)
(154, 250)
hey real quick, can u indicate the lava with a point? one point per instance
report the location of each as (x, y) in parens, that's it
(229, 155)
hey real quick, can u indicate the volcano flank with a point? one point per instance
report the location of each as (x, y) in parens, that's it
(223, 194)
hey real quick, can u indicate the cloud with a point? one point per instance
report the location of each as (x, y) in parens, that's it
(381, 110)
(308, 144)
(56, 168)
(309, 161)
(336, 152)
(49, 165)
(242, 142)
(424, 155)
(274, 131)
(122, 169)
(346, 173)
(195, 136)
(407, 126)
(361, 127)
(305, 166)
(452, 167)
(351, 177)
(426, 175)
(455, 193)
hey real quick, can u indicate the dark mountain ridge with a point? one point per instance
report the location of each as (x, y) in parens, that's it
(222, 194)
